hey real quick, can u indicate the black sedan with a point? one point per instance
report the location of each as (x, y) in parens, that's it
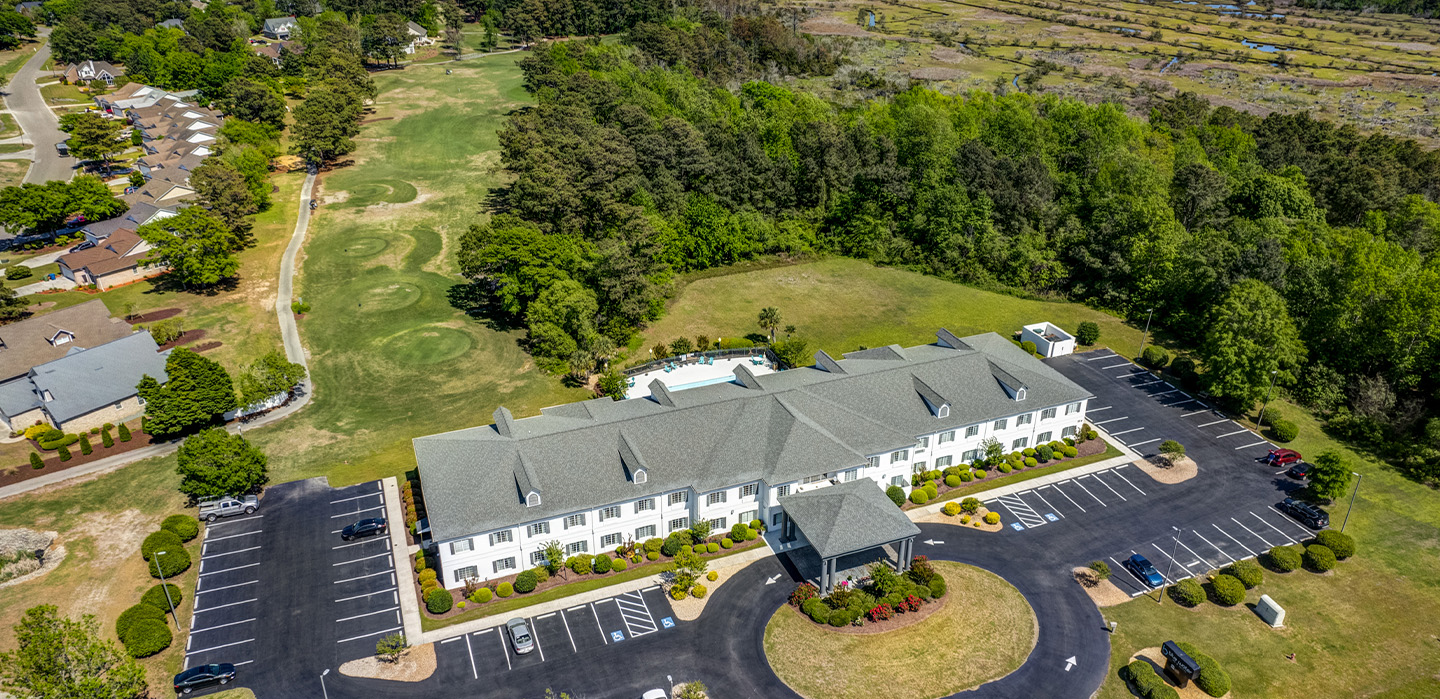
(365, 527)
(1305, 513)
(204, 676)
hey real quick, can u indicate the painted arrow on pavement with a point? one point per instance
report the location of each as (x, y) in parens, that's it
(1069, 663)
(931, 542)
(771, 580)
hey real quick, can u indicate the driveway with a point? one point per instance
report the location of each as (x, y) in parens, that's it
(38, 120)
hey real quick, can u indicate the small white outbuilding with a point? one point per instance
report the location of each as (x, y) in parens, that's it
(1050, 341)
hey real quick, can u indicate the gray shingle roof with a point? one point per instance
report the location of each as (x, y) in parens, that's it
(27, 343)
(789, 425)
(17, 397)
(847, 517)
(88, 379)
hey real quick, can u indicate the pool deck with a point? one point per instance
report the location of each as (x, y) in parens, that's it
(683, 377)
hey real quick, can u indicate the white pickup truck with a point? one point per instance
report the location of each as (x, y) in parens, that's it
(211, 510)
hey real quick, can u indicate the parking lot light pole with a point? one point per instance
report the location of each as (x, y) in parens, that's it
(322, 683)
(1358, 478)
(156, 557)
(1170, 569)
(1260, 423)
(1149, 313)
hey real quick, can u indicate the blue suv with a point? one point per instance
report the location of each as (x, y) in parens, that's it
(1141, 568)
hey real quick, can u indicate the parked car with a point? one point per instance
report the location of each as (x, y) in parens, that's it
(211, 510)
(365, 527)
(1299, 470)
(1305, 513)
(1281, 457)
(520, 635)
(204, 676)
(1140, 567)
(655, 694)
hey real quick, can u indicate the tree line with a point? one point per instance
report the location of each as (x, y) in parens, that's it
(1283, 244)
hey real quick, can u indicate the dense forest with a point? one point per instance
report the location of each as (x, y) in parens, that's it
(1283, 244)
(1419, 8)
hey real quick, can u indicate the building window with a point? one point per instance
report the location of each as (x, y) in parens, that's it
(748, 517)
(901, 455)
(464, 545)
(1019, 443)
(812, 479)
(1072, 408)
(532, 500)
(851, 474)
(539, 529)
(1067, 432)
(717, 524)
(537, 558)
(677, 498)
(1044, 437)
(942, 463)
(577, 547)
(898, 481)
(748, 490)
(611, 512)
(972, 430)
(504, 564)
(782, 491)
(141, 399)
(872, 461)
(575, 521)
(119, 406)
(504, 537)
(646, 532)
(1023, 419)
(924, 442)
(715, 498)
(679, 523)
(970, 456)
(640, 477)
(918, 467)
(946, 437)
(610, 540)
(999, 424)
(1047, 413)
(466, 573)
(775, 518)
(645, 505)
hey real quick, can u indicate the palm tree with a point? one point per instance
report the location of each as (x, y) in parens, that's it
(769, 320)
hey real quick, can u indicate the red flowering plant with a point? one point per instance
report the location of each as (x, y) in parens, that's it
(802, 592)
(911, 603)
(880, 612)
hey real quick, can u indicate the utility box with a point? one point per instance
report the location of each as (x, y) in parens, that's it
(1272, 613)
(1178, 664)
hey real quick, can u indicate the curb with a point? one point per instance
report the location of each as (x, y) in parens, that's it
(409, 605)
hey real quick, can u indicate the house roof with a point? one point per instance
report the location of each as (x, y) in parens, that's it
(172, 23)
(778, 428)
(96, 67)
(416, 29)
(18, 396)
(27, 342)
(277, 23)
(137, 215)
(847, 517)
(112, 255)
(88, 379)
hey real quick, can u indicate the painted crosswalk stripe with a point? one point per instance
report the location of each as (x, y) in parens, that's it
(1026, 514)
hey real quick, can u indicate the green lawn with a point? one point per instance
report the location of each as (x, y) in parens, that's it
(57, 93)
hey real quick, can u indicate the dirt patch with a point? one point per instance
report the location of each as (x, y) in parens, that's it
(415, 665)
(1156, 659)
(115, 538)
(1161, 470)
(1405, 45)
(36, 308)
(371, 121)
(213, 344)
(1102, 592)
(185, 338)
(153, 316)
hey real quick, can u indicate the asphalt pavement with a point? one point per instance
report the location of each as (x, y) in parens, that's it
(38, 120)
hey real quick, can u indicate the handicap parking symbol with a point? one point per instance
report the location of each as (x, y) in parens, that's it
(1051, 516)
(668, 623)
(1018, 526)
(617, 636)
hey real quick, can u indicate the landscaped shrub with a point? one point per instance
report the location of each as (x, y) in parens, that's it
(163, 540)
(482, 595)
(677, 594)
(673, 544)
(896, 495)
(811, 607)
(601, 564)
(839, 617)
(1101, 569)
(1213, 679)
(1088, 333)
(1028, 346)
(1163, 691)
(992, 517)
(1284, 431)
(36, 461)
(952, 480)
(1027, 451)
(183, 526)
(427, 586)
(1339, 542)
(653, 555)
(687, 548)
(1143, 677)
(134, 614)
(1044, 453)
(1187, 592)
(580, 563)
(1006, 468)
(146, 637)
(880, 612)
(652, 544)
(526, 581)
(106, 439)
(1032, 463)
(1248, 572)
(1227, 591)
(714, 547)
(54, 439)
(932, 491)
(937, 587)
(726, 543)
(1283, 558)
(965, 477)
(1319, 558)
(951, 508)
(155, 597)
(1069, 451)
(619, 565)
(85, 447)
(981, 473)
(64, 453)
(697, 591)
(1155, 357)
(427, 575)
(970, 505)
(911, 603)
(504, 589)
(712, 576)
(175, 561)
(124, 432)
(919, 496)
(439, 601)
(802, 593)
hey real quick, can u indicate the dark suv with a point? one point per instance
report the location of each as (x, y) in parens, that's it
(365, 527)
(1305, 513)
(204, 676)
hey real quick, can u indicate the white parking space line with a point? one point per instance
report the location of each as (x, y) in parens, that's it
(227, 553)
(567, 633)
(361, 616)
(1147, 383)
(1173, 390)
(1113, 366)
(1237, 541)
(1087, 491)
(504, 650)
(1277, 529)
(1168, 558)
(226, 570)
(227, 645)
(1047, 503)
(362, 577)
(1067, 496)
(357, 560)
(1127, 480)
(1252, 532)
(1200, 558)
(1096, 359)
(356, 512)
(222, 606)
(1231, 434)
(1247, 446)
(1107, 485)
(1212, 423)
(368, 594)
(226, 587)
(1096, 410)
(1129, 374)
(358, 543)
(474, 673)
(1212, 545)
(1127, 417)
(247, 518)
(451, 639)
(1117, 434)
(1290, 522)
(221, 626)
(1140, 444)
(357, 497)
(536, 638)
(597, 623)
(369, 635)
(1197, 412)
(232, 536)
(1181, 402)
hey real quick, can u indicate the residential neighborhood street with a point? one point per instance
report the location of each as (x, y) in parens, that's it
(38, 120)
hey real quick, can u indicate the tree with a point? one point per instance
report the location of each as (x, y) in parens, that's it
(41, 208)
(255, 102)
(1088, 333)
(1329, 475)
(13, 27)
(769, 320)
(686, 570)
(93, 137)
(213, 463)
(793, 351)
(1172, 450)
(60, 658)
(11, 306)
(993, 450)
(225, 192)
(389, 648)
(614, 384)
(196, 391)
(1250, 336)
(268, 376)
(554, 556)
(197, 247)
(325, 125)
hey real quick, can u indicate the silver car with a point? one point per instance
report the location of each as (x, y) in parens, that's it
(520, 636)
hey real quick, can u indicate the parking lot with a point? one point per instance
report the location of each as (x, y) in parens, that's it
(223, 628)
(562, 635)
(1053, 503)
(366, 599)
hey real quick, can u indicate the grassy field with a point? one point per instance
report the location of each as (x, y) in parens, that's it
(1374, 71)
(984, 632)
(12, 173)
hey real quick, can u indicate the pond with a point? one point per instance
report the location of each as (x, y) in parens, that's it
(1265, 48)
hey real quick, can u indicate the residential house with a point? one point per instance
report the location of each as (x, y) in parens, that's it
(597, 474)
(281, 28)
(138, 215)
(116, 260)
(173, 24)
(44, 338)
(275, 51)
(418, 37)
(31, 8)
(85, 71)
(138, 96)
(85, 388)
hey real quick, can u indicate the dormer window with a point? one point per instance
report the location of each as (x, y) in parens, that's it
(532, 500)
(944, 411)
(1020, 394)
(640, 476)
(46, 396)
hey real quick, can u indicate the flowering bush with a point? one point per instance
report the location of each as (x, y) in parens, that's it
(802, 592)
(880, 612)
(911, 603)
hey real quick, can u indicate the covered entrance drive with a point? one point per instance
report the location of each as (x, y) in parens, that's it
(848, 525)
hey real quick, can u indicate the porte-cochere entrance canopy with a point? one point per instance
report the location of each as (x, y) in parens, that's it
(846, 519)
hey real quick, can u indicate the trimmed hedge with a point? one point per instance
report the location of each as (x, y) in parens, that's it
(136, 613)
(36, 461)
(724, 543)
(1069, 451)
(183, 526)
(600, 565)
(1319, 558)
(155, 597)
(896, 495)
(1283, 558)
(619, 565)
(1227, 591)
(981, 473)
(482, 595)
(175, 561)
(1342, 544)
(992, 517)
(1187, 593)
(1213, 679)
(527, 580)
(714, 547)
(919, 496)
(163, 540)
(712, 576)
(951, 508)
(937, 587)
(64, 440)
(124, 432)
(1142, 676)
(146, 637)
(952, 480)
(504, 589)
(439, 601)
(1284, 431)
(85, 447)
(1248, 572)
(697, 591)
(427, 575)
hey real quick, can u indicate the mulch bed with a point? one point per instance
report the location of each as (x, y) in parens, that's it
(1083, 449)
(899, 621)
(206, 347)
(153, 316)
(24, 472)
(185, 338)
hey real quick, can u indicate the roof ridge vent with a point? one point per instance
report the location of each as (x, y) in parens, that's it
(746, 377)
(828, 363)
(661, 394)
(504, 422)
